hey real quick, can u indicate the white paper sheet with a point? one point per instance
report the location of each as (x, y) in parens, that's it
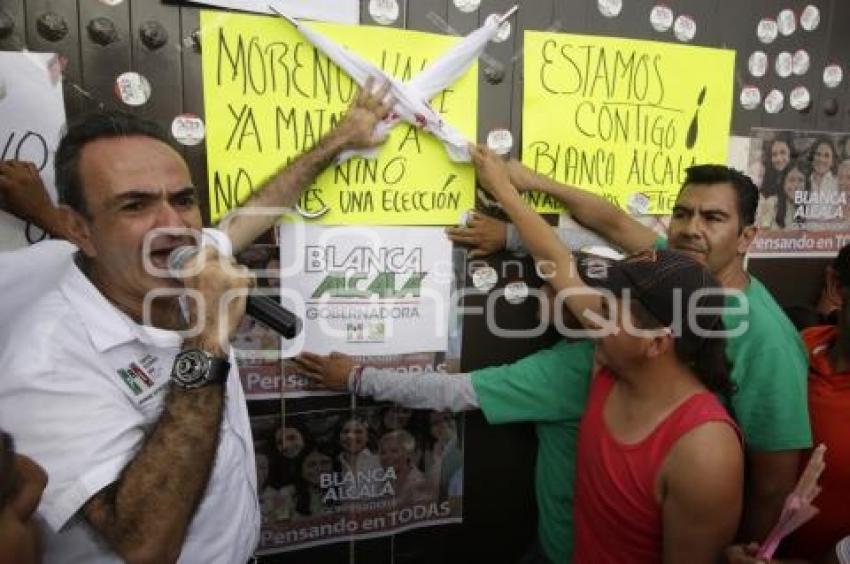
(32, 116)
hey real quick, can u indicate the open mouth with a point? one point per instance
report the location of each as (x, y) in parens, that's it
(159, 258)
(160, 243)
(159, 255)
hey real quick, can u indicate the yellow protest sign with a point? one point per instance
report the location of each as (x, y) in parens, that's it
(269, 96)
(623, 118)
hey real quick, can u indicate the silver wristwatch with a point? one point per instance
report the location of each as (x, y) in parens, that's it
(194, 368)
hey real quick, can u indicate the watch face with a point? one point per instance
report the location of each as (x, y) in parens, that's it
(191, 368)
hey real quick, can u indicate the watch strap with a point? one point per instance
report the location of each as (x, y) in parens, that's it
(219, 370)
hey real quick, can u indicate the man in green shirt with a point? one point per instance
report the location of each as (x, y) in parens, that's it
(712, 220)
(548, 388)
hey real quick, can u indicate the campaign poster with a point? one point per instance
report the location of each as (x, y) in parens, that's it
(804, 188)
(264, 359)
(334, 475)
(366, 290)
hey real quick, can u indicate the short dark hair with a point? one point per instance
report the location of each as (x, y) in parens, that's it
(98, 125)
(745, 188)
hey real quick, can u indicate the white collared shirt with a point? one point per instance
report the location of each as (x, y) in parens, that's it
(82, 384)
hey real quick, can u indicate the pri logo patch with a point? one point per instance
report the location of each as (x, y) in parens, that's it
(137, 375)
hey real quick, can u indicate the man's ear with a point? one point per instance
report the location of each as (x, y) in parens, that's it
(77, 228)
(745, 239)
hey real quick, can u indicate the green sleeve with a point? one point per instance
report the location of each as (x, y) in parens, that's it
(771, 404)
(549, 385)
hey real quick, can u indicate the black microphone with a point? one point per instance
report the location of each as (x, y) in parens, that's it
(262, 308)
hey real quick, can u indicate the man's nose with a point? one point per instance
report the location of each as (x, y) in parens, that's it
(692, 226)
(169, 216)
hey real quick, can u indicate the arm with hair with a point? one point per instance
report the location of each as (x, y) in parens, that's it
(589, 210)
(355, 131)
(145, 514)
(701, 489)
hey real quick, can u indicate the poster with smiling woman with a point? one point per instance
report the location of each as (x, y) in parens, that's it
(804, 192)
(332, 475)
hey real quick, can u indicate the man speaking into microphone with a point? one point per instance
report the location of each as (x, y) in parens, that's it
(144, 435)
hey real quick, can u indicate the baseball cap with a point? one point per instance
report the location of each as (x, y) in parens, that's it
(664, 282)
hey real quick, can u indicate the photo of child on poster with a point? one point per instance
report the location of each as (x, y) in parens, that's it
(329, 475)
(804, 188)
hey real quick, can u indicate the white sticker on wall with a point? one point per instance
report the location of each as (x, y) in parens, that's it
(833, 75)
(504, 29)
(384, 12)
(810, 18)
(467, 6)
(786, 21)
(750, 97)
(783, 64)
(516, 292)
(500, 141)
(757, 64)
(801, 62)
(774, 101)
(188, 129)
(685, 28)
(661, 18)
(610, 8)
(799, 98)
(767, 30)
(132, 88)
(485, 279)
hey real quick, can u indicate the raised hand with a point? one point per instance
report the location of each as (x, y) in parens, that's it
(371, 105)
(222, 287)
(491, 171)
